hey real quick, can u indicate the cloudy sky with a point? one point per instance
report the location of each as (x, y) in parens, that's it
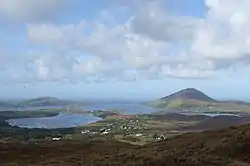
(124, 48)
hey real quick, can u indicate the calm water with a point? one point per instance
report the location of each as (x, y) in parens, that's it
(73, 120)
(211, 114)
(125, 107)
(128, 107)
(59, 121)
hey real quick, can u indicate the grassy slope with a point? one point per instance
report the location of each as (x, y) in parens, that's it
(43, 101)
(200, 105)
(227, 147)
(177, 103)
(40, 102)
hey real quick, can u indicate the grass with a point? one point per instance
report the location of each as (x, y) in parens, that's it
(122, 145)
(227, 147)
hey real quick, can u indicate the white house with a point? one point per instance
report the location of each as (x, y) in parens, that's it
(56, 138)
(84, 132)
(138, 135)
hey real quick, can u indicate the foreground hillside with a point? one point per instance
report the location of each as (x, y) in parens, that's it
(227, 147)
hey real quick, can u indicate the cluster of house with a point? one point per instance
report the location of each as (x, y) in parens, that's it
(106, 131)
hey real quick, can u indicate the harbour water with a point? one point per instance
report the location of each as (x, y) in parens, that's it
(73, 120)
(59, 121)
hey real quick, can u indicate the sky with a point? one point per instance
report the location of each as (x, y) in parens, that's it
(118, 49)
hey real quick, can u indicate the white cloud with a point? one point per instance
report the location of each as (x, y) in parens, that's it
(30, 10)
(119, 49)
(54, 35)
(225, 33)
(150, 44)
(153, 20)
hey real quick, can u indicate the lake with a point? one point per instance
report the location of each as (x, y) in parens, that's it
(60, 121)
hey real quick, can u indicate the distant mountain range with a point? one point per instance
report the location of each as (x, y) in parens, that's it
(191, 99)
(38, 102)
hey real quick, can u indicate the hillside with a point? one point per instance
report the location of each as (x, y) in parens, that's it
(184, 99)
(191, 99)
(218, 122)
(227, 147)
(188, 94)
(45, 102)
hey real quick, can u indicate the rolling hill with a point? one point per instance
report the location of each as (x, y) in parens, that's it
(43, 101)
(191, 99)
(226, 147)
(39, 102)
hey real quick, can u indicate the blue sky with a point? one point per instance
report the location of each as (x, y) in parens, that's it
(129, 49)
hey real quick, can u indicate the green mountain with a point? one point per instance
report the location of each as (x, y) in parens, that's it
(44, 101)
(38, 102)
(191, 99)
(188, 94)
